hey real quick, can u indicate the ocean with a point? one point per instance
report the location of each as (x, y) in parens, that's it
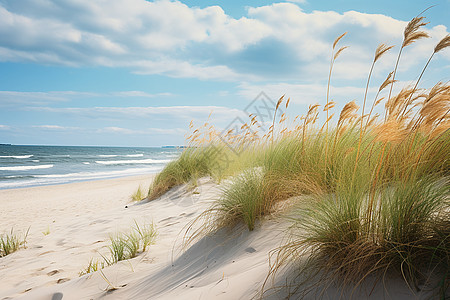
(26, 166)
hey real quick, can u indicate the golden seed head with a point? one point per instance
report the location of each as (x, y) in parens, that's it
(279, 102)
(348, 112)
(412, 33)
(386, 82)
(444, 43)
(338, 39)
(381, 49)
(390, 131)
(339, 52)
(287, 103)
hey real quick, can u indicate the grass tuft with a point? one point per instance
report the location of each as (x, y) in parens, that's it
(139, 195)
(11, 242)
(124, 246)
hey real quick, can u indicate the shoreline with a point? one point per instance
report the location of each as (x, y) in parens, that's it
(138, 177)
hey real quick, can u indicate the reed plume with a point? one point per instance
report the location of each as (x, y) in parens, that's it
(411, 34)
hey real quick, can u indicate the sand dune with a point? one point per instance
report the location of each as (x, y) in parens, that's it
(80, 216)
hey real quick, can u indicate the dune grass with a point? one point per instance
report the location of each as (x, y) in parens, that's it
(11, 242)
(375, 183)
(124, 246)
(192, 164)
(138, 195)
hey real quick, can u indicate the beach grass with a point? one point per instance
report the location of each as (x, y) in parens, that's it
(374, 183)
(138, 195)
(124, 246)
(11, 242)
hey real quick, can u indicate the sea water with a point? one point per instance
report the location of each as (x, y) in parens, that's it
(25, 166)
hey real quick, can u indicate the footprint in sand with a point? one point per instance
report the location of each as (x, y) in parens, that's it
(51, 273)
(62, 280)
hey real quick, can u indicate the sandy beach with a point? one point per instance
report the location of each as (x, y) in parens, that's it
(70, 225)
(79, 217)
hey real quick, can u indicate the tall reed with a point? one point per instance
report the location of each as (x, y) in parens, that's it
(375, 191)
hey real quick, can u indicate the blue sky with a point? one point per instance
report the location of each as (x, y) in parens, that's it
(135, 72)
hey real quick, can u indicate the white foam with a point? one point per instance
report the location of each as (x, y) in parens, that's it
(17, 156)
(86, 163)
(94, 175)
(82, 176)
(25, 168)
(140, 161)
(107, 155)
(134, 155)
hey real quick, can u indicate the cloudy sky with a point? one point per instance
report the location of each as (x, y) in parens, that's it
(136, 72)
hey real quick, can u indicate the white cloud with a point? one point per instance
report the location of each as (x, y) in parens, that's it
(4, 127)
(37, 98)
(54, 127)
(116, 130)
(302, 93)
(180, 113)
(171, 38)
(143, 132)
(140, 94)
(177, 68)
(25, 99)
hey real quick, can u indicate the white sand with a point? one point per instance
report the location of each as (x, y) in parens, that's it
(80, 217)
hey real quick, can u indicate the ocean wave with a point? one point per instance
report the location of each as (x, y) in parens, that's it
(134, 155)
(116, 155)
(11, 177)
(95, 175)
(17, 156)
(86, 163)
(25, 168)
(140, 161)
(73, 177)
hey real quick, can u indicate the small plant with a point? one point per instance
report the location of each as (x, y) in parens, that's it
(92, 267)
(124, 246)
(147, 234)
(138, 195)
(11, 242)
(47, 231)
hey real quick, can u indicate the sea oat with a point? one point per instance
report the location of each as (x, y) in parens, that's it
(412, 33)
(381, 49)
(444, 43)
(348, 111)
(338, 39)
(387, 82)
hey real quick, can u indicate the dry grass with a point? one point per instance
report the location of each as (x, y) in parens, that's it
(378, 188)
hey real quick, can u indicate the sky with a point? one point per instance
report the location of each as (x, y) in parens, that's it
(136, 72)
